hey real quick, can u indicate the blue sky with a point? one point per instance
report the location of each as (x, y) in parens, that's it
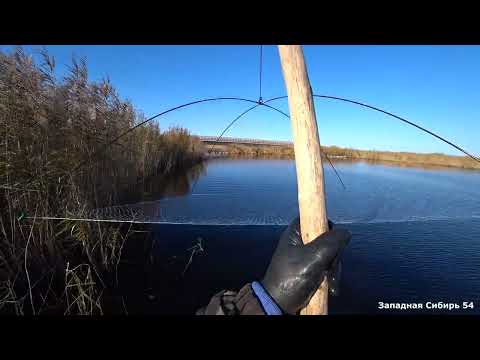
(435, 86)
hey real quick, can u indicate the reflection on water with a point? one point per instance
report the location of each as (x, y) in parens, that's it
(140, 201)
(157, 187)
(264, 192)
(178, 184)
(415, 233)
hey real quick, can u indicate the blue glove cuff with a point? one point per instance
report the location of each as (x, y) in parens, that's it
(268, 304)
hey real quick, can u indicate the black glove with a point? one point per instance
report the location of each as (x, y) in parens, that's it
(297, 270)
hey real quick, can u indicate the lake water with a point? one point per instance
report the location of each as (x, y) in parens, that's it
(415, 233)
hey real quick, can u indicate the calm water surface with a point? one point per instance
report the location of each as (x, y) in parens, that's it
(416, 233)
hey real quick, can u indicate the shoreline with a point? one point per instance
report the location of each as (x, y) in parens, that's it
(396, 163)
(345, 154)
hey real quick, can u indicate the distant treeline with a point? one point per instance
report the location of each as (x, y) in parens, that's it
(244, 150)
(48, 126)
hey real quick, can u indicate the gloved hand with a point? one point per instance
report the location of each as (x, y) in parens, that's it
(297, 270)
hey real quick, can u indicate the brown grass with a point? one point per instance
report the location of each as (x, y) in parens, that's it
(404, 157)
(47, 127)
(254, 151)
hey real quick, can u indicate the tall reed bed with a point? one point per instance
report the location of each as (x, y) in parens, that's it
(49, 125)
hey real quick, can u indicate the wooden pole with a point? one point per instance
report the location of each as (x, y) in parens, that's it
(308, 161)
